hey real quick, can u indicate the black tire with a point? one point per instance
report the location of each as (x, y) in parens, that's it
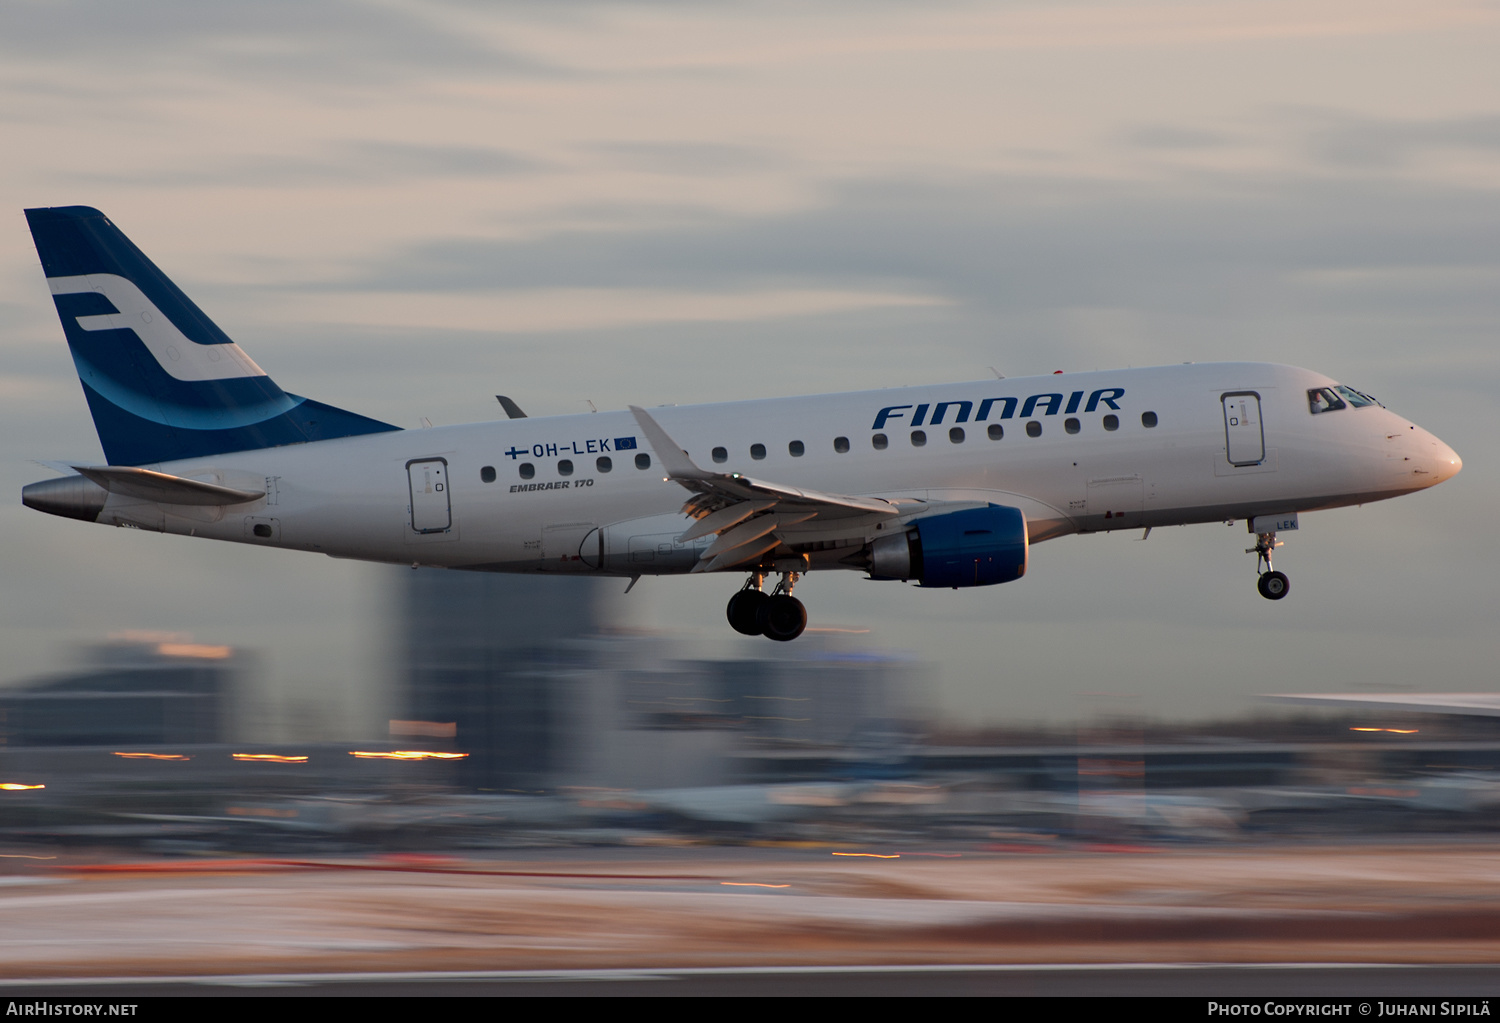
(744, 612)
(1273, 585)
(783, 618)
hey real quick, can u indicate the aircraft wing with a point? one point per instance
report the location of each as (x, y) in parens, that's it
(1476, 704)
(752, 516)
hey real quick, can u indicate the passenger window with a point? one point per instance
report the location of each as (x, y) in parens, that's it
(1148, 419)
(879, 441)
(918, 438)
(841, 444)
(643, 461)
(1033, 429)
(956, 435)
(1072, 425)
(795, 449)
(1111, 423)
(527, 470)
(487, 474)
(720, 455)
(757, 451)
(604, 463)
(565, 467)
(996, 431)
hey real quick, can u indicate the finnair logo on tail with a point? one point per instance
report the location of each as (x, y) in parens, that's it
(180, 356)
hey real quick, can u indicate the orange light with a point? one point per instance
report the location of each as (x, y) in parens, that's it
(1398, 731)
(873, 856)
(269, 758)
(259, 811)
(753, 884)
(154, 756)
(10, 786)
(431, 729)
(408, 754)
(199, 650)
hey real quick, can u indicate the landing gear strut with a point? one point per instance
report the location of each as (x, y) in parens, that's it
(1272, 585)
(777, 615)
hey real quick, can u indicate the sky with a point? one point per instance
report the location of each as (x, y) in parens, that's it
(404, 209)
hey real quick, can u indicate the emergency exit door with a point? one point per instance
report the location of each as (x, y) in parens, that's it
(430, 511)
(1245, 440)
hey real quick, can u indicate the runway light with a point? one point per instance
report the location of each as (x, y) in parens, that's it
(753, 884)
(1398, 731)
(408, 754)
(873, 856)
(269, 758)
(154, 756)
(10, 786)
(200, 650)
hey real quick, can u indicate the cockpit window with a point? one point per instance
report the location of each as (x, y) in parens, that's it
(1358, 399)
(1324, 399)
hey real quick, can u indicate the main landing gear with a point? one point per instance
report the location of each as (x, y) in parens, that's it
(776, 615)
(1272, 585)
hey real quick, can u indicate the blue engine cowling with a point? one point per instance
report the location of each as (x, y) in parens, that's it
(978, 547)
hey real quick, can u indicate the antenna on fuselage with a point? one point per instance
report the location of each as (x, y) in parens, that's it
(998, 375)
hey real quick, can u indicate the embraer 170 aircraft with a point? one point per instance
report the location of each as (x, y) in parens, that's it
(945, 485)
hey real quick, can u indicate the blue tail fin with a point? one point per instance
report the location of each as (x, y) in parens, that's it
(162, 381)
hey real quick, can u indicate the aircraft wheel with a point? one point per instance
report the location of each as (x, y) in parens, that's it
(744, 612)
(1273, 585)
(783, 618)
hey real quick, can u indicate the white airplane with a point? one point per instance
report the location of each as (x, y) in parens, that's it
(944, 485)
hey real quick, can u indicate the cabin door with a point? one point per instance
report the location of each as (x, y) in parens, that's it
(1245, 439)
(430, 510)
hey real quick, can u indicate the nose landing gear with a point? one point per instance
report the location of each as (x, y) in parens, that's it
(1272, 585)
(777, 615)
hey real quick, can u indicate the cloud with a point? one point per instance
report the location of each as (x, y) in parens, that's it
(695, 158)
(1010, 244)
(276, 42)
(1347, 141)
(361, 163)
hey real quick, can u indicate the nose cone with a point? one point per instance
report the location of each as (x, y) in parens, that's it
(1448, 461)
(1432, 459)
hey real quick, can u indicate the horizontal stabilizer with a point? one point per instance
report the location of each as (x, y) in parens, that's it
(62, 468)
(146, 485)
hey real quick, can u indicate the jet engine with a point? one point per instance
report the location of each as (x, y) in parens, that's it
(977, 547)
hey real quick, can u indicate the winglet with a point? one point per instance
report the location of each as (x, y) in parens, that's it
(675, 460)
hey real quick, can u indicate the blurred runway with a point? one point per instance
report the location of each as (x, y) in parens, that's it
(665, 911)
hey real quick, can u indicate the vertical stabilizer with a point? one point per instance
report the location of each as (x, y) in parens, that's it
(162, 380)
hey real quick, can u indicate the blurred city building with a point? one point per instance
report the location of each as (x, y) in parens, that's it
(137, 688)
(534, 678)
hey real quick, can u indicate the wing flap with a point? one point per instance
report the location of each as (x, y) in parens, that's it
(751, 515)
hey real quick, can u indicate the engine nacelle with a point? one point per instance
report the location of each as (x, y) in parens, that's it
(978, 547)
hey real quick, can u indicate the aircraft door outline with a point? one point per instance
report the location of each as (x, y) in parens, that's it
(1244, 432)
(431, 508)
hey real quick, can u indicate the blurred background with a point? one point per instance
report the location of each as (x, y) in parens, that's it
(403, 209)
(525, 712)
